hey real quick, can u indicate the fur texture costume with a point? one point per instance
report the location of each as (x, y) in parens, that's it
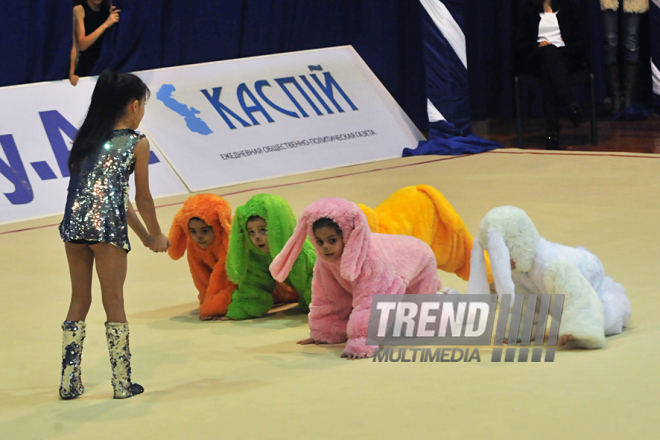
(342, 291)
(422, 211)
(595, 305)
(207, 266)
(630, 6)
(247, 266)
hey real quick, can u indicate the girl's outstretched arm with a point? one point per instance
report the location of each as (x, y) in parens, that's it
(143, 199)
(136, 225)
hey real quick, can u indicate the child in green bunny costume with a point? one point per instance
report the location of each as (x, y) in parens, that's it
(260, 230)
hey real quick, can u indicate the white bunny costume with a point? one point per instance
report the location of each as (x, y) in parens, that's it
(523, 262)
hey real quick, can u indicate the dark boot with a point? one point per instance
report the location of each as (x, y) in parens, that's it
(72, 344)
(630, 78)
(120, 359)
(613, 84)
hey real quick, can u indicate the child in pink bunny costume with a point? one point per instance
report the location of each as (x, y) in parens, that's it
(352, 265)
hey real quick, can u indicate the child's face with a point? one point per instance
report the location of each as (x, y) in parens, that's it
(258, 234)
(330, 243)
(201, 233)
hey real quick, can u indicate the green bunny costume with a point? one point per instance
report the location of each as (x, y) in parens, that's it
(247, 266)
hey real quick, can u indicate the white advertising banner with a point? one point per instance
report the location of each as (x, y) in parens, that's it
(209, 125)
(241, 120)
(38, 123)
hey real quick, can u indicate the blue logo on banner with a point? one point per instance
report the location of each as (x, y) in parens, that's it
(321, 99)
(189, 114)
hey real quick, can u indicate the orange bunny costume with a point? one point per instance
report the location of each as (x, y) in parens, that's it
(207, 266)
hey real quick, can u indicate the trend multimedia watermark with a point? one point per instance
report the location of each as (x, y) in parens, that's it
(465, 320)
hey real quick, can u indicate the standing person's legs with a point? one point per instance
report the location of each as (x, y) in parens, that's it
(81, 264)
(610, 36)
(610, 48)
(111, 265)
(630, 40)
(630, 37)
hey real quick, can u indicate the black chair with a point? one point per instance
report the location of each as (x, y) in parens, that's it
(580, 77)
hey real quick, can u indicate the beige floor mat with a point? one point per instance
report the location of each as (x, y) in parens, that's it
(250, 380)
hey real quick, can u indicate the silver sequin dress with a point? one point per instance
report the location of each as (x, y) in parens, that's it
(97, 202)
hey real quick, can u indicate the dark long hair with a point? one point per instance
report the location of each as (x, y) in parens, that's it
(325, 222)
(112, 93)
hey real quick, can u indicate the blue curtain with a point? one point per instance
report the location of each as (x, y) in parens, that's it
(37, 37)
(450, 128)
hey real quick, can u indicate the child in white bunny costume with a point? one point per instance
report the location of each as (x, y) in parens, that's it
(523, 262)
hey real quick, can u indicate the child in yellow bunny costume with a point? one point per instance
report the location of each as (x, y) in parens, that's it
(422, 211)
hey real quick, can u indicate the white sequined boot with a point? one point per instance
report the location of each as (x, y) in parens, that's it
(120, 359)
(72, 343)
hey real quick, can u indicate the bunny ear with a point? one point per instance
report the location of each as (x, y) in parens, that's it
(372, 217)
(447, 214)
(280, 222)
(237, 254)
(489, 270)
(178, 238)
(355, 250)
(478, 283)
(500, 262)
(224, 218)
(283, 262)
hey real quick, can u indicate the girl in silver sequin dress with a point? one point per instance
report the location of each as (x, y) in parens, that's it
(107, 149)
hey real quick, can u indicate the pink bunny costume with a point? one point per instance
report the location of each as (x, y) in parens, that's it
(342, 291)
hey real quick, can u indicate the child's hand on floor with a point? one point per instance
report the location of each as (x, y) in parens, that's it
(352, 357)
(213, 318)
(309, 341)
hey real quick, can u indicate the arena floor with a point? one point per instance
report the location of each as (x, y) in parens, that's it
(250, 380)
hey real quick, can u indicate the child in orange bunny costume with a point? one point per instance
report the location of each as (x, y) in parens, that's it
(202, 228)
